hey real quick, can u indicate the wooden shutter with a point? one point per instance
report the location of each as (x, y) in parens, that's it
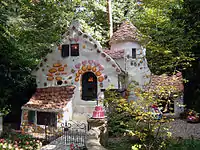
(65, 50)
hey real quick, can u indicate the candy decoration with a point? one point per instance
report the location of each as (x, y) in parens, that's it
(65, 65)
(98, 51)
(100, 79)
(64, 73)
(98, 73)
(84, 62)
(58, 78)
(80, 71)
(101, 68)
(103, 54)
(77, 75)
(65, 82)
(45, 84)
(50, 75)
(89, 67)
(101, 84)
(50, 78)
(61, 69)
(78, 65)
(96, 63)
(57, 73)
(57, 65)
(114, 65)
(84, 46)
(76, 79)
(53, 70)
(118, 70)
(90, 62)
(105, 76)
(94, 69)
(72, 70)
(84, 68)
(70, 77)
(108, 59)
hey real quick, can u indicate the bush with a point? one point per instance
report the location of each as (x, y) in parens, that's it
(14, 141)
(136, 118)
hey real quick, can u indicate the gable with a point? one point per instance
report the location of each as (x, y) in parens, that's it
(77, 53)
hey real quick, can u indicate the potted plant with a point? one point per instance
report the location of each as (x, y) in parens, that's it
(193, 116)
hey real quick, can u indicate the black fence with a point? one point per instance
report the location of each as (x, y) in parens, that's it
(73, 133)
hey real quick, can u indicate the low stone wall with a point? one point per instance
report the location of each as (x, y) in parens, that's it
(97, 135)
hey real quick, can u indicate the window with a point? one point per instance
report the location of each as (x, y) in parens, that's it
(133, 52)
(31, 117)
(74, 49)
(89, 86)
(65, 51)
(47, 118)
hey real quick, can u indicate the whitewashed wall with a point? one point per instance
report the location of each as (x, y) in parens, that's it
(136, 68)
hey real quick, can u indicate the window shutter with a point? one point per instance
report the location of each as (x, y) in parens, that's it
(133, 52)
(65, 50)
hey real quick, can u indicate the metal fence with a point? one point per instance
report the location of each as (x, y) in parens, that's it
(74, 133)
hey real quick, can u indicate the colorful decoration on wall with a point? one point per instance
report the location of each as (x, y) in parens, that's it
(101, 84)
(56, 73)
(89, 65)
(100, 79)
(84, 46)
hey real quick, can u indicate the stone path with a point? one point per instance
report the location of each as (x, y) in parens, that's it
(180, 128)
(58, 144)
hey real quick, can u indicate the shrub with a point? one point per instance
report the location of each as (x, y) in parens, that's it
(136, 118)
(14, 141)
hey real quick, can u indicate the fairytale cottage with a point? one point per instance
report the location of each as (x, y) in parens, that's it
(75, 74)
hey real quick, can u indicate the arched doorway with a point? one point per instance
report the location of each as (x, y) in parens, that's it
(89, 86)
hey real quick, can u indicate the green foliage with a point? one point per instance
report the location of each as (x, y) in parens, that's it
(136, 118)
(14, 141)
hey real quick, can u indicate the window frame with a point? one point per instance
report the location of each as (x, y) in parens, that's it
(32, 120)
(47, 116)
(65, 52)
(72, 51)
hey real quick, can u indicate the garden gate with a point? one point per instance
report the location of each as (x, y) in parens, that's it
(75, 134)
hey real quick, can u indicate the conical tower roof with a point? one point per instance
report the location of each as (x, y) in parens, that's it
(126, 32)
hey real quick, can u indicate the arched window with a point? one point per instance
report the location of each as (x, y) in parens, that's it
(89, 86)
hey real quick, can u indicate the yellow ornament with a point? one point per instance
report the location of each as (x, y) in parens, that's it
(94, 69)
(84, 68)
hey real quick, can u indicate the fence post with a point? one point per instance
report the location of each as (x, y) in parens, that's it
(45, 129)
